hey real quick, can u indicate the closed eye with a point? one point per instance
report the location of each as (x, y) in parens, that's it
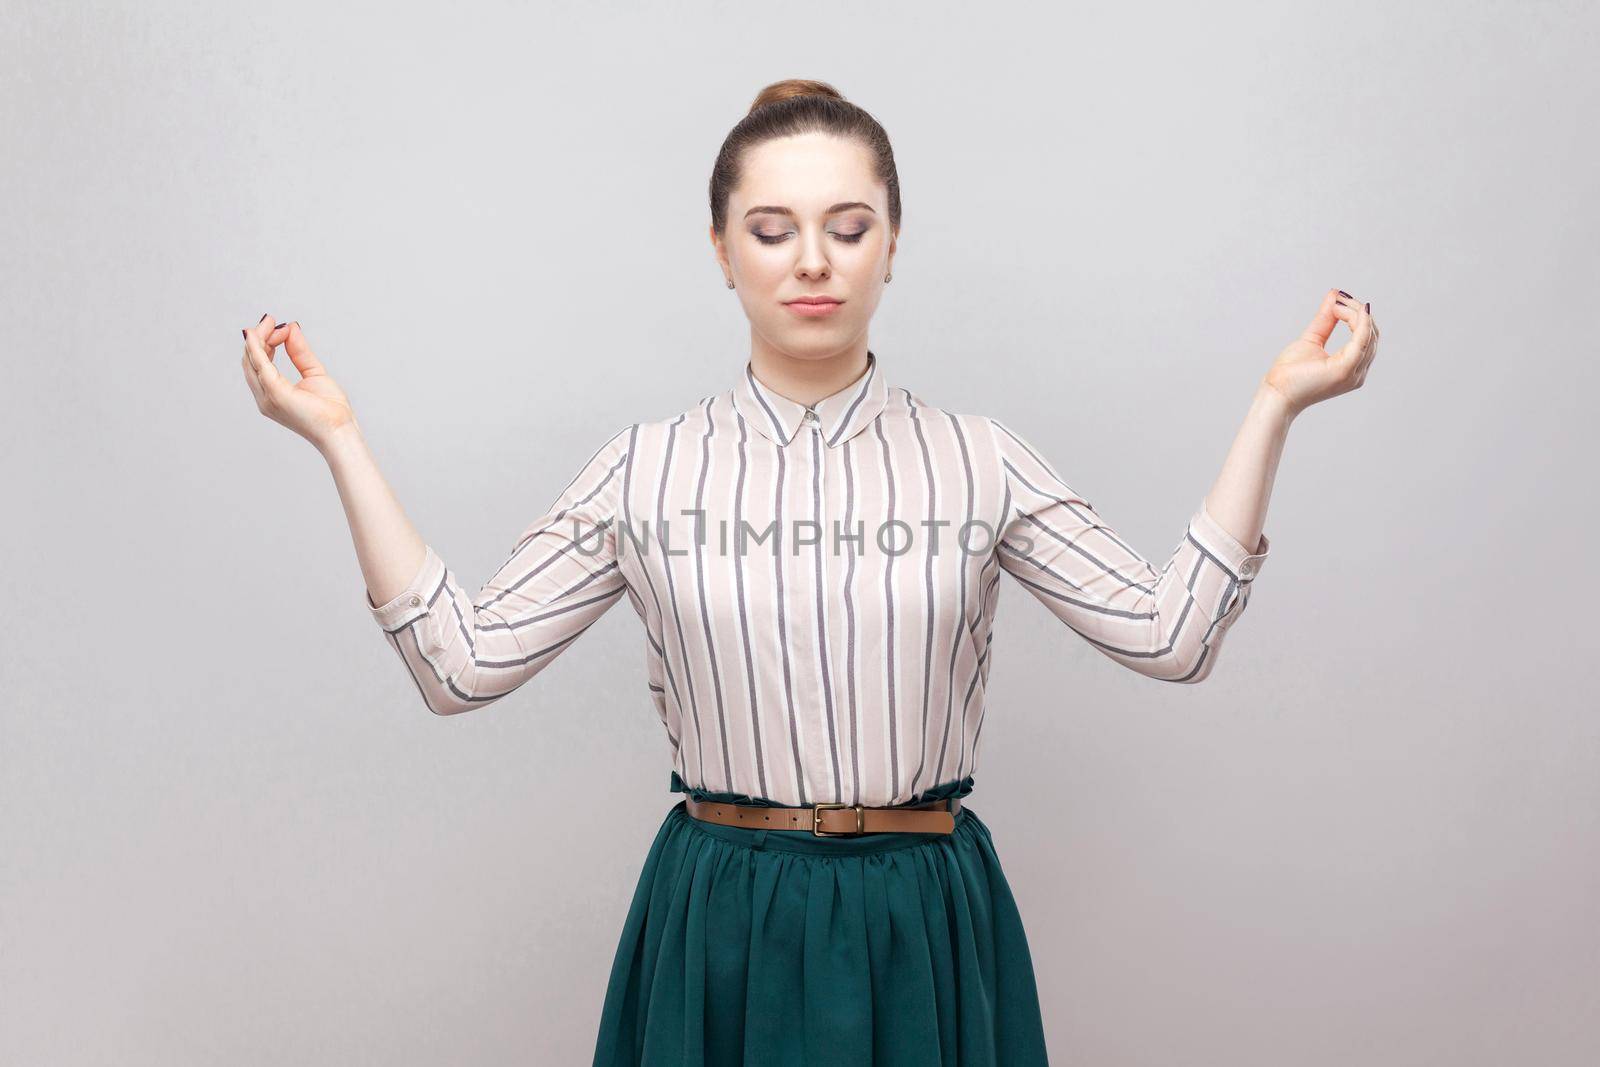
(847, 238)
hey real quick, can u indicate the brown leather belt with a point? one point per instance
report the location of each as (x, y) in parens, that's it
(833, 820)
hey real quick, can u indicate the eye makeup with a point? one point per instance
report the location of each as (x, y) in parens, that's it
(847, 236)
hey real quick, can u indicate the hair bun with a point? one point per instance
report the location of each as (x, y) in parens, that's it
(792, 108)
(792, 87)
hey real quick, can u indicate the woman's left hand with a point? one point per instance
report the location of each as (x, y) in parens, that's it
(1305, 372)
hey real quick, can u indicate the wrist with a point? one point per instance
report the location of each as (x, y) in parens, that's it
(341, 443)
(1273, 405)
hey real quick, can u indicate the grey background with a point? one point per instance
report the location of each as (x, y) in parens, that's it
(231, 832)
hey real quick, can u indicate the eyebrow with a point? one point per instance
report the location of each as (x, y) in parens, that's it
(767, 209)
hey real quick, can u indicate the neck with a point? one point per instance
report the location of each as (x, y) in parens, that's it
(807, 381)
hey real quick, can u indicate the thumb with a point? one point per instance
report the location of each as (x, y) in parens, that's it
(299, 351)
(1320, 328)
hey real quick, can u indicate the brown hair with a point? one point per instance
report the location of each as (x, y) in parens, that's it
(794, 106)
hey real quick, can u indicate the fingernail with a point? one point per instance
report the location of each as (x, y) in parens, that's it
(1369, 307)
(244, 333)
(1343, 293)
(262, 319)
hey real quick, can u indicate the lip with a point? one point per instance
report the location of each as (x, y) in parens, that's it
(814, 306)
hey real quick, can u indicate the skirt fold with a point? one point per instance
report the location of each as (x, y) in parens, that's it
(780, 949)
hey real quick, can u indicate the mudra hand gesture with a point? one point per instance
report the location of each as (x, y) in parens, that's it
(313, 407)
(1305, 372)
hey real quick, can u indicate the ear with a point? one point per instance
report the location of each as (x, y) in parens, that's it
(717, 246)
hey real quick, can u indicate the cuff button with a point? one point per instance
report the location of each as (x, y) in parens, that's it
(415, 600)
(1247, 570)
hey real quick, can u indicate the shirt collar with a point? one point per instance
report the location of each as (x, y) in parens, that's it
(841, 415)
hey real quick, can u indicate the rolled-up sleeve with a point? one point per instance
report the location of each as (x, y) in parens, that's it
(464, 650)
(1169, 623)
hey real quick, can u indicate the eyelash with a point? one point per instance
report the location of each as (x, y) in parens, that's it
(848, 238)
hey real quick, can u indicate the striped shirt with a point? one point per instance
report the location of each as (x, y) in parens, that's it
(818, 587)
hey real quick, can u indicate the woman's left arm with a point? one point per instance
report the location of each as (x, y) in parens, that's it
(1169, 623)
(1303, 374)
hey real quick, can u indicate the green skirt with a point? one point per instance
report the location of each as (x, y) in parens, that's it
(769, 948)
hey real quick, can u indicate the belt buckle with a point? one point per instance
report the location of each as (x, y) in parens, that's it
(816, 820)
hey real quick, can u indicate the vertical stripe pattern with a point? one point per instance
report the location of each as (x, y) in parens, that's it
(817, 587)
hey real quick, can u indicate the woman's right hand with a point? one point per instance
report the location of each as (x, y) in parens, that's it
(313, 407)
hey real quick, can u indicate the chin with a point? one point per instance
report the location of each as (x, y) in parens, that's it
(816, 340)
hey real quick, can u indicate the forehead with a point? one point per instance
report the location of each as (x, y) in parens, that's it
(807, 172)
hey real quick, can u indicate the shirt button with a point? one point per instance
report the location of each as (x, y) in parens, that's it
(415, 600)
(1247, 569)
(811, 416)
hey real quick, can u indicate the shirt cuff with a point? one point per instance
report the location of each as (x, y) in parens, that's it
(1242, 563)
(412, 602)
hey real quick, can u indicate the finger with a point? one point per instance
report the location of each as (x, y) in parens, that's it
(268, 376)
(1366, 368)
(1322, 324)
(271, 339)
(263, 326)
(1363, 333)
(274, 336)
(270, 332)
(1352, 351)
(1371, 352)
(305, 361)
(261, 361)
(252, 380)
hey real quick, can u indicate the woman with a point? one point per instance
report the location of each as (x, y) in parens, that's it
(815, 555)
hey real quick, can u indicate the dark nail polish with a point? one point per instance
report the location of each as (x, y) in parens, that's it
(262, 319)
(244, 333)
(1369, 307)
(1344, 294)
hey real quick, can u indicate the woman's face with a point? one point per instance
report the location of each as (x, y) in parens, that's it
(807, 219)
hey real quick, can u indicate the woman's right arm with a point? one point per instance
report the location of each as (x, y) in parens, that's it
(388, 547)
(463, 650)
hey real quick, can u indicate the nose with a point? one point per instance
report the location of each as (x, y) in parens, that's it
(812, 261)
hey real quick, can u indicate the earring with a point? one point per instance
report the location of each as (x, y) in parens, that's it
(886, 277)
(730, 283)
